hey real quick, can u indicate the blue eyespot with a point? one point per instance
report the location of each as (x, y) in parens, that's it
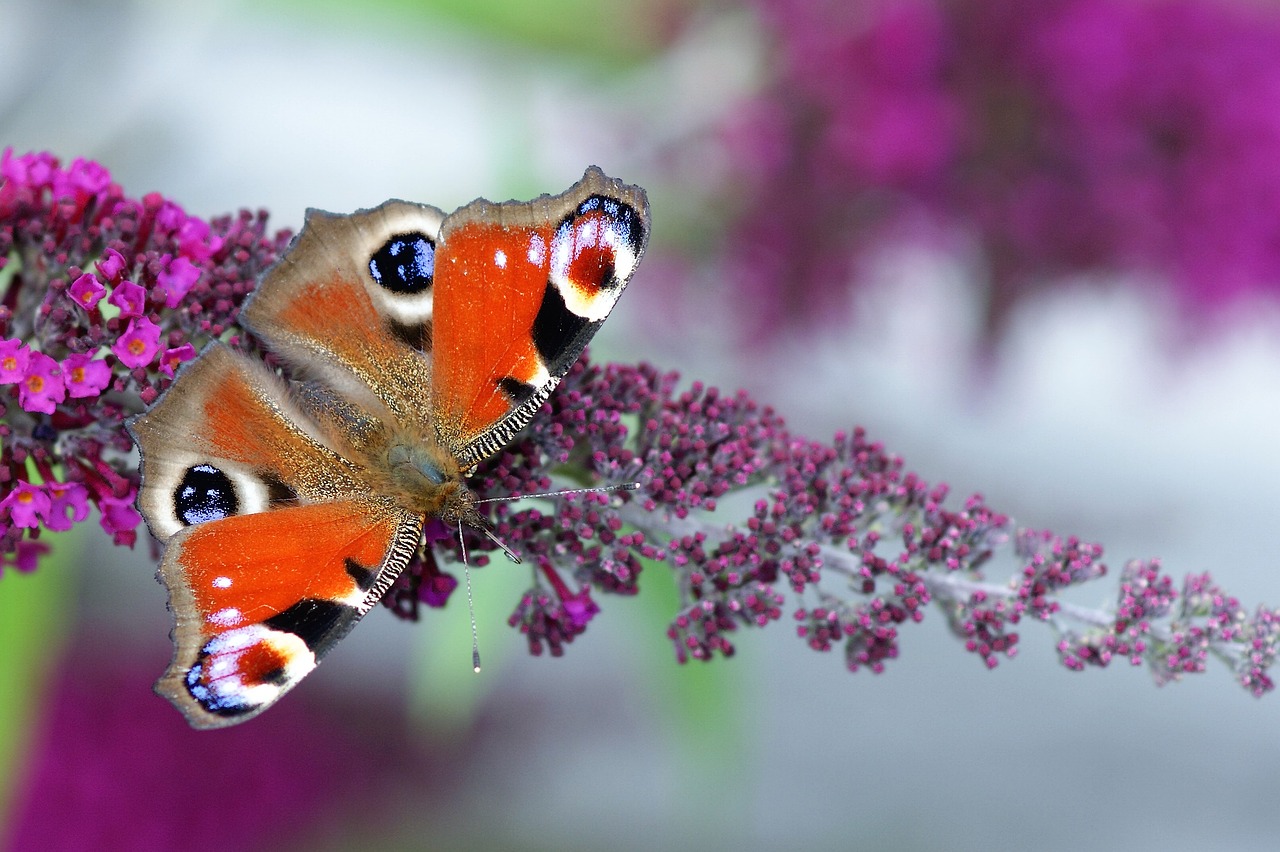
(406, 263)
(206, 494)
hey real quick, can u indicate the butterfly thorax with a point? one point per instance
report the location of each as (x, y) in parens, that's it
(426, 479)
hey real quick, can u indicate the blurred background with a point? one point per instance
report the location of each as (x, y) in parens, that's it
(1032, 247)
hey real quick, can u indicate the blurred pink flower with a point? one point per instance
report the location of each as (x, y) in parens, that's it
(26, 504)
(177, 279)
(68, 505)
(1065, 136)
(111, 766)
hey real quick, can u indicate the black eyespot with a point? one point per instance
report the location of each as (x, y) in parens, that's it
(406, 263)
(206, 494)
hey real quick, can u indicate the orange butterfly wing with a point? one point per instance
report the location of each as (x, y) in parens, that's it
(261, 598)
(520, 288)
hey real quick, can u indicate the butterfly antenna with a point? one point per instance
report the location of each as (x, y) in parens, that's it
(511, 554)
(624, 486)
(493, 536)
(471, 604)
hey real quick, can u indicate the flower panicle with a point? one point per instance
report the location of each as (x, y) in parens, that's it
(103, 296)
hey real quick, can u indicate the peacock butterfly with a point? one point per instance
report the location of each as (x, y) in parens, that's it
(416, 344)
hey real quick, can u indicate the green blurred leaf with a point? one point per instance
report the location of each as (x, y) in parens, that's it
(702, 698)
(444, 690)
(611, 32)
(33, 611)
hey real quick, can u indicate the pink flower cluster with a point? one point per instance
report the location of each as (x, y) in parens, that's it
(1062, 137)
(43, 382)
(102, 298)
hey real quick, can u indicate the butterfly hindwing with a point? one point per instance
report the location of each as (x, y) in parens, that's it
(276, 546)
(261, 598)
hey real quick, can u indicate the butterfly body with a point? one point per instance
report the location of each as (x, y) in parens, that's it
(416, 345)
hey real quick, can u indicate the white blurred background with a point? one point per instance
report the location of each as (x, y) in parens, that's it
(1092, 419)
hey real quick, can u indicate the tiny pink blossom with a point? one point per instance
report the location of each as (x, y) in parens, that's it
(130, 298)
(111, 265)
(14, 356)
(120, 519)
(68, 505)
(435, 530)
(26, 505)
(25, 557)
(82, 179)
(84, 376)
(87, 291)
(139, 343)
(42, 387)
(195, 239)
(436, 588)
(34, 170)
(171, 358)
(170, 217)
(580, 608)
(177, 279)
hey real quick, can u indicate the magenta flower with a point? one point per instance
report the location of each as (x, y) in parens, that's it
(171, 358)
(87, 291)
(71, 230)
(580, 608)
(26, 504)
(111, 767)
(129, 298)
(14, 357)
(138, 346)
(25, 556)
(84, 376)
(111, 266)
(119, 518)
(437, 586)
(42, 386)
(194, 238)
(68, 505)
(177, 279)
(83, 179)
(34, 170)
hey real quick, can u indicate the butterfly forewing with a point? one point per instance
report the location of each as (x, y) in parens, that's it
(351, 303)
(520, 288)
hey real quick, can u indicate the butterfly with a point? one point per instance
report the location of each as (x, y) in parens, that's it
(415, 345)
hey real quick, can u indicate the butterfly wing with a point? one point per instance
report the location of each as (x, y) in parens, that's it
(520, 288)
(351, 303)
(275, 545)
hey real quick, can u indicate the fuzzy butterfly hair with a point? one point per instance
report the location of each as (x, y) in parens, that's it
(415, 344)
